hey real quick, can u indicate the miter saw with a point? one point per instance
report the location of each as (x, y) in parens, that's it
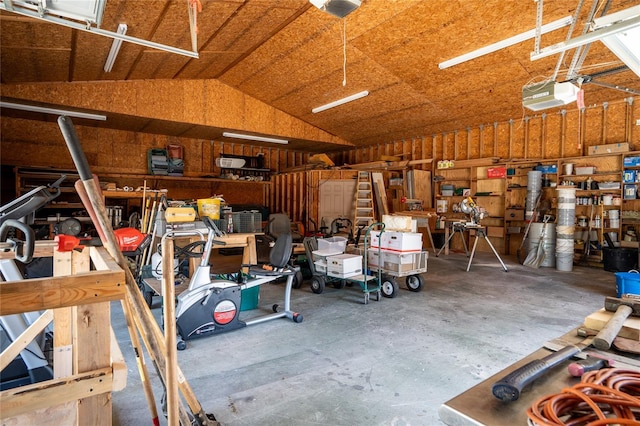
(470, 207)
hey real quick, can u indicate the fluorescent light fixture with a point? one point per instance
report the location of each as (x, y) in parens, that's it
(624, 44)
(56, 111)
(518, 38)
(115, 48)
(82, 26)
(253, 138)
(340, 101)
(598, 34)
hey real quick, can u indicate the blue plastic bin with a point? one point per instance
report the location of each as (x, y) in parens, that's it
(627, 283)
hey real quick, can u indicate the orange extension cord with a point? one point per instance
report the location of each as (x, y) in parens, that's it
(604, 397)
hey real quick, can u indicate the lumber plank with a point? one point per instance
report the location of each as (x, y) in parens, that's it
(62, 338)
(38, 294)
(42, 248)
(26, 337)
(598, 319)
(118, 364)
(102, 260)
(59, 415)
(92, 341)
(25, 399)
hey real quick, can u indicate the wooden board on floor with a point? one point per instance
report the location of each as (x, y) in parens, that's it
(598, 319)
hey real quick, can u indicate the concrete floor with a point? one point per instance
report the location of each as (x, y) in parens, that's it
(392, 362)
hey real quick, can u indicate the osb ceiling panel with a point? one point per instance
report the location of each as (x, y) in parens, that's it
(291, 56)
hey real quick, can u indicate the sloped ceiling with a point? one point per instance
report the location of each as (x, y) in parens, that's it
(290, 56)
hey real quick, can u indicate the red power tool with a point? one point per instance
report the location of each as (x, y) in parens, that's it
(131, 241)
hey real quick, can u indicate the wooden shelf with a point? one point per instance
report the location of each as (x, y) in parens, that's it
(179, 178)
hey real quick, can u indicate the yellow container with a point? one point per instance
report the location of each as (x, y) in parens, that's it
(209, 207)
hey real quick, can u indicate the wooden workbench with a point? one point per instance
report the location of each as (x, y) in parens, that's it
(477, 406)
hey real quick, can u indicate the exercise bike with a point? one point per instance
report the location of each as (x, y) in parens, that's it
(213, 306)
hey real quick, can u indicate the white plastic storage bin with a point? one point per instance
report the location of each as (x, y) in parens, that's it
(402, 241)
(344, 265)
(321, 266)
(332, 244)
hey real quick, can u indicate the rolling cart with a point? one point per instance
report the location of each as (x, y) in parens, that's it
(408, 265)
(330, 265)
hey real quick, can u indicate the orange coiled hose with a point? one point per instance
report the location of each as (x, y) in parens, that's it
(604, 397)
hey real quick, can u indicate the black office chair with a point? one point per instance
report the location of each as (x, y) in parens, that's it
(278, 259)
(278, 224)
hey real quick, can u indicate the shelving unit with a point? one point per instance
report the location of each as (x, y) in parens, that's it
(458, 177)
(594, 202)
(68, 204)
(489, 193)
(630, 210)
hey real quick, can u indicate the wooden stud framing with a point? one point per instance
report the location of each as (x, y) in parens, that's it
(79, 394)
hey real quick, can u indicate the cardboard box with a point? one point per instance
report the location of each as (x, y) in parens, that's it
(398, 267)
(609, 148)
(631, 161)
(397, 223)
(344, 265)
(374, 239)
(373, 258)
(402, 241)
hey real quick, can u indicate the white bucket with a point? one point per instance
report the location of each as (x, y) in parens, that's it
(568, 169)
(607, 199)
(614, 214)
(442, 206)
(564, 262)
(548, 242)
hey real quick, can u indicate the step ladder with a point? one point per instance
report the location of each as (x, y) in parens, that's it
(363, 203)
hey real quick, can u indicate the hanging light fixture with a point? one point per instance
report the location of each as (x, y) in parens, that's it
(339, 102)
(115, 48)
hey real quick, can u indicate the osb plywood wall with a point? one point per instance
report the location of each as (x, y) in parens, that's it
(40, 144)
(566, 133)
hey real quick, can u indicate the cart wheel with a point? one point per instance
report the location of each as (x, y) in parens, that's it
(317, 284)
(389, 287)
(366, 298)
(181, 345)
(297, 279)
(148, 298)
(378, 296)
(147, 293)
(339, 284)
(415, 282)
(274, 308)
(297, 317)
